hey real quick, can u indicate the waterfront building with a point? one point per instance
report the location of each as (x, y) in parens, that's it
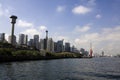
(36, 41)
(67, 47)
(60, 47)
(26, 40)
(73, 48)
(45, 44)
(31, 43)
(2, 37)
(14, 40)
(23, 39)
(84, 52)
(46, 41)
(50, 46)
(55, 46)
(41, 47)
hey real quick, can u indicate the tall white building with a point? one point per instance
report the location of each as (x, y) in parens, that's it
(36, 41)
(50, 45)
(14, 40)
(41, 44)
(23, 39)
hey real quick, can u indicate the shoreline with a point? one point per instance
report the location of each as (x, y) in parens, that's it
(4, 59)
(12, 55)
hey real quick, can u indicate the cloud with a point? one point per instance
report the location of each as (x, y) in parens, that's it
(86, 38)
(81, 10)
(56, 36)
(24, 24)
(112, 33)
(82, 29)
(35, 30)
(80, 41)
(30, 32)
(91, 2)
(65, 38)
(98, 16)
(111, 30)
(108, 40)
(60, 8)
(43, 28)
(4, 11)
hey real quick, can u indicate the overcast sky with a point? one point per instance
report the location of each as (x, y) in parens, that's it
(76, 21)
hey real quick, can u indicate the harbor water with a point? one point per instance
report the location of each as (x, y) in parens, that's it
(104, 68)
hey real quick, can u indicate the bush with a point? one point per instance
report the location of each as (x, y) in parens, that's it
(25, 53)
(6, 51)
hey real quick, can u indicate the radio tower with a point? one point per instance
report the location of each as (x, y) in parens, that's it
(46, 40)
(13, 21)
(91, 51)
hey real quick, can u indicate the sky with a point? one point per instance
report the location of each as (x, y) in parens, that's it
(79, 22)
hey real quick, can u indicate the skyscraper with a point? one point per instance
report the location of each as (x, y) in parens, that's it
(60, 46)
(23, 39)
(41, 44)
(50, 46)
(31, 43)
(26, 39)
(14, 40)
(46, 41)
(36, 41)
(55, 46)
(2, 37)
(67, 47)
(73, 49)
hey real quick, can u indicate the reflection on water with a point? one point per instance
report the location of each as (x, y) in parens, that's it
(62, 69)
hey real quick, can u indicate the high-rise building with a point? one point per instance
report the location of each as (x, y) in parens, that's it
(36, 41)
(60, 46)
(84, 52)
(50, 46)
(67, 47)
(73, 49)
(41, 44)
(31, 43)
(45, 44)
(26, 39)
(14, 40)
(2, 37)
(23, 39)
(46, 41)
(55, 46)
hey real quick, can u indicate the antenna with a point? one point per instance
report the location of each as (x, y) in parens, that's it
(91, 51)
(90, 45)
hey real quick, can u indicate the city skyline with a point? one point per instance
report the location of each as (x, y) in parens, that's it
(36, 43)
(77, 21)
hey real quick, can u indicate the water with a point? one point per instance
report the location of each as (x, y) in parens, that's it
(62, 69)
